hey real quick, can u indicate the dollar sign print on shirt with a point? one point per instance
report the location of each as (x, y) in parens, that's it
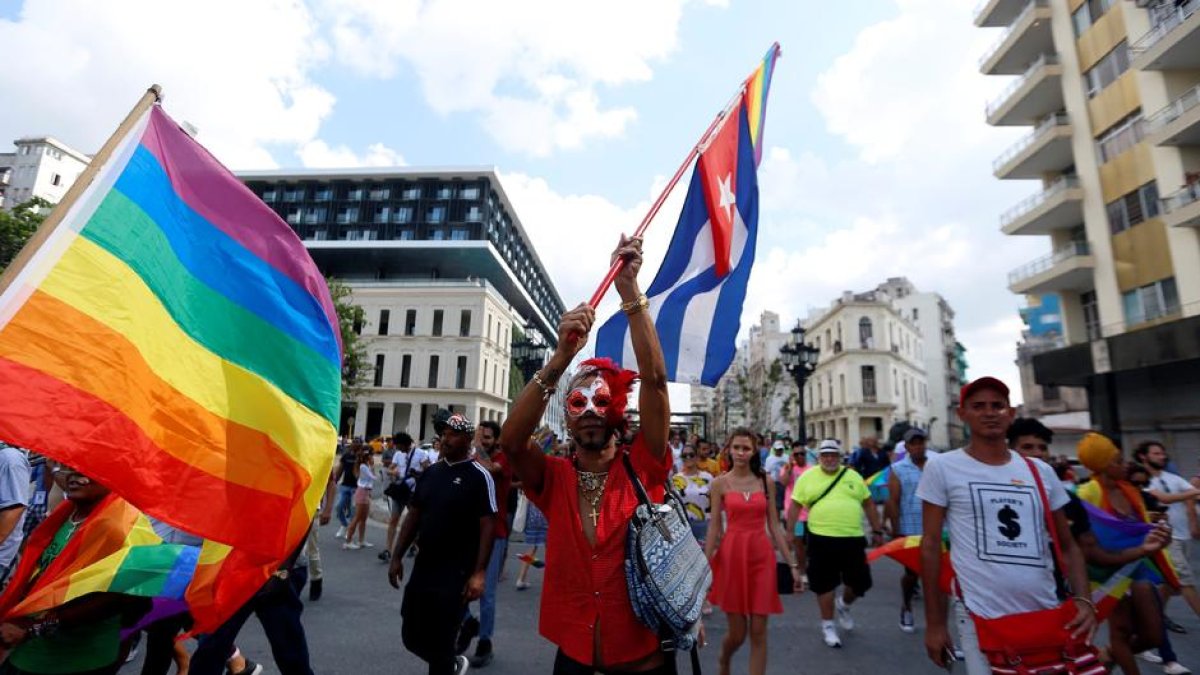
(1007, 515)
(1009, 526)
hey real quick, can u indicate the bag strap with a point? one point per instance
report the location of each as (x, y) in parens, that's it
(638, 488)
(1037, 478)
(828, 489)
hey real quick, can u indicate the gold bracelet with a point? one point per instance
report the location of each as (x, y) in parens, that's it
(547, 391)
(1088, 602)
(636, 305)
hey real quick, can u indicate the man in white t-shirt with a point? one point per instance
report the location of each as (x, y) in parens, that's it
(1180, 497)
(1001, 550)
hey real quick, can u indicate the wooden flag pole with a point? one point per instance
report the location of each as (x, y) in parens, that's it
(619, 263)
(153, 95)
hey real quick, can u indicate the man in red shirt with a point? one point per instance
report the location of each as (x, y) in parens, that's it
(588, 499)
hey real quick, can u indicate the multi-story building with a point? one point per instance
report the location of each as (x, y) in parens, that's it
(870, 372)
(445, 274)
(1111, 91)
(41, 167)
(935, 321)
(772, 399)
(1063, 409)
(724, 403)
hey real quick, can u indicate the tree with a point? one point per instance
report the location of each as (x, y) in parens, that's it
(351, 320)
(759, 389)
(18, 225)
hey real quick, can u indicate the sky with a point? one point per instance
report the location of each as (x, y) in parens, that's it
(877, 160)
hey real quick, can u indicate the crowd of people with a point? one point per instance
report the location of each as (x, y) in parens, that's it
(1010, 543)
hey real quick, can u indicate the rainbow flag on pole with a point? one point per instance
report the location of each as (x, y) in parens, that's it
(168, 335)
(758, 86)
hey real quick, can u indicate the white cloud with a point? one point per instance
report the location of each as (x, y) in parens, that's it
(74, 68)
(533, 68)
(319, 154)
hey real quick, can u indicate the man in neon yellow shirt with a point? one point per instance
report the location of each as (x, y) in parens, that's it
(836, 498)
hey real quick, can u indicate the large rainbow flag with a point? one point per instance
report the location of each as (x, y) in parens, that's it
(172, 339)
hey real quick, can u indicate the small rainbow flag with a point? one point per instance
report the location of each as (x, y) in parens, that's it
(879, 479)
(758, 86)
(1106, 594)
(115, 550)
(907, 552)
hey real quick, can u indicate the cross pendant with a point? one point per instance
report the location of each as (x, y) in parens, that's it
(595, 517)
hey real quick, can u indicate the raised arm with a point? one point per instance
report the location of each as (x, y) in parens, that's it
(528, 462)
(654, 403)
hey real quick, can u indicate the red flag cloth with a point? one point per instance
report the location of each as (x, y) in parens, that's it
(907, 552)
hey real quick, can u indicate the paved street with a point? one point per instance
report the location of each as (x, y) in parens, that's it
(355, 627)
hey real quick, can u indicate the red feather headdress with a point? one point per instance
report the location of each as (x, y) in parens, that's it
(619, 381)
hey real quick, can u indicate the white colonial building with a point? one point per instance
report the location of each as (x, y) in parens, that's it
(870, 373)
(41, 167)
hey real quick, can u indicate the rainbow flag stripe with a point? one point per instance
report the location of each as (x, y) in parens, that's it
(173, 324)
(758, 86)
(879, 479)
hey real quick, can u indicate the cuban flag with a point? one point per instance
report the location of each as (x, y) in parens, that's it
(697, 296)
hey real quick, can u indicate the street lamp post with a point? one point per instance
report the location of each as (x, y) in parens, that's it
(528, 355)
(800, 359)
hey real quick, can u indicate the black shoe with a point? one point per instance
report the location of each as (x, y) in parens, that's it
(1174, 627)
(466, 633)
(385, 555)
(483, 654)
(314, 589)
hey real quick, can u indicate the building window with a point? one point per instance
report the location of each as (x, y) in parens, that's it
(474, 215)
(489, 327)
(459, 234)
(356, 194)
(1133, 208)
(358, 324)
(1106, 71)
(402, 214)
(445, 192)
(486, 366)
(293, 195)
(436, 214)
(1091, 315)
(320, 234)
(437, 322)
(406, 234)
(315, 214)
(410, 322)
(347, 215)
(55, 179)
(381, 214)
(460, 373)
(1088, 14)
(379, 370)
(433, 371)
(411, 193)
(1050, 392)
(270, 195)
(363, 234)
(384, 316)
(293, 215)
(323, 195)
(464, 326)
(380, 193)
(437, 234)
(866, 338)
(1120, 137)
(469, 193)
(1151, 302)
(405, 369)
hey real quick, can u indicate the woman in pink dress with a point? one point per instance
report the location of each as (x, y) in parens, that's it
(741, 553)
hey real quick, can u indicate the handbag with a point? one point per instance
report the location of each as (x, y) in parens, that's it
(521, 514)
(399, 489)
(1036, 643)
(666, 571)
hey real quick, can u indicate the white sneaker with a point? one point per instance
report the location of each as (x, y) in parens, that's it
(461, 664)
(830, 635)
(1150, 656)
(843, 614)
(366, 544)
(350, 547)
(341, 532)
(1176, 668)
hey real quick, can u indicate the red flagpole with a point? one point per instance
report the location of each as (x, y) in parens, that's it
(619, 263)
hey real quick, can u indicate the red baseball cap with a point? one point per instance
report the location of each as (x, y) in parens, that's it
(986, 382)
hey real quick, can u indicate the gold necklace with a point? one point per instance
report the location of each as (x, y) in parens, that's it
(592, 482)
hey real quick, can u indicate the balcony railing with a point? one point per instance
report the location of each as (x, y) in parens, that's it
(1174, 110)
(1033, 201)
(1043, 127)
(1177, 200)
(1168, 19)
(1041, 62)
(1028, 270)
(1016, 25)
